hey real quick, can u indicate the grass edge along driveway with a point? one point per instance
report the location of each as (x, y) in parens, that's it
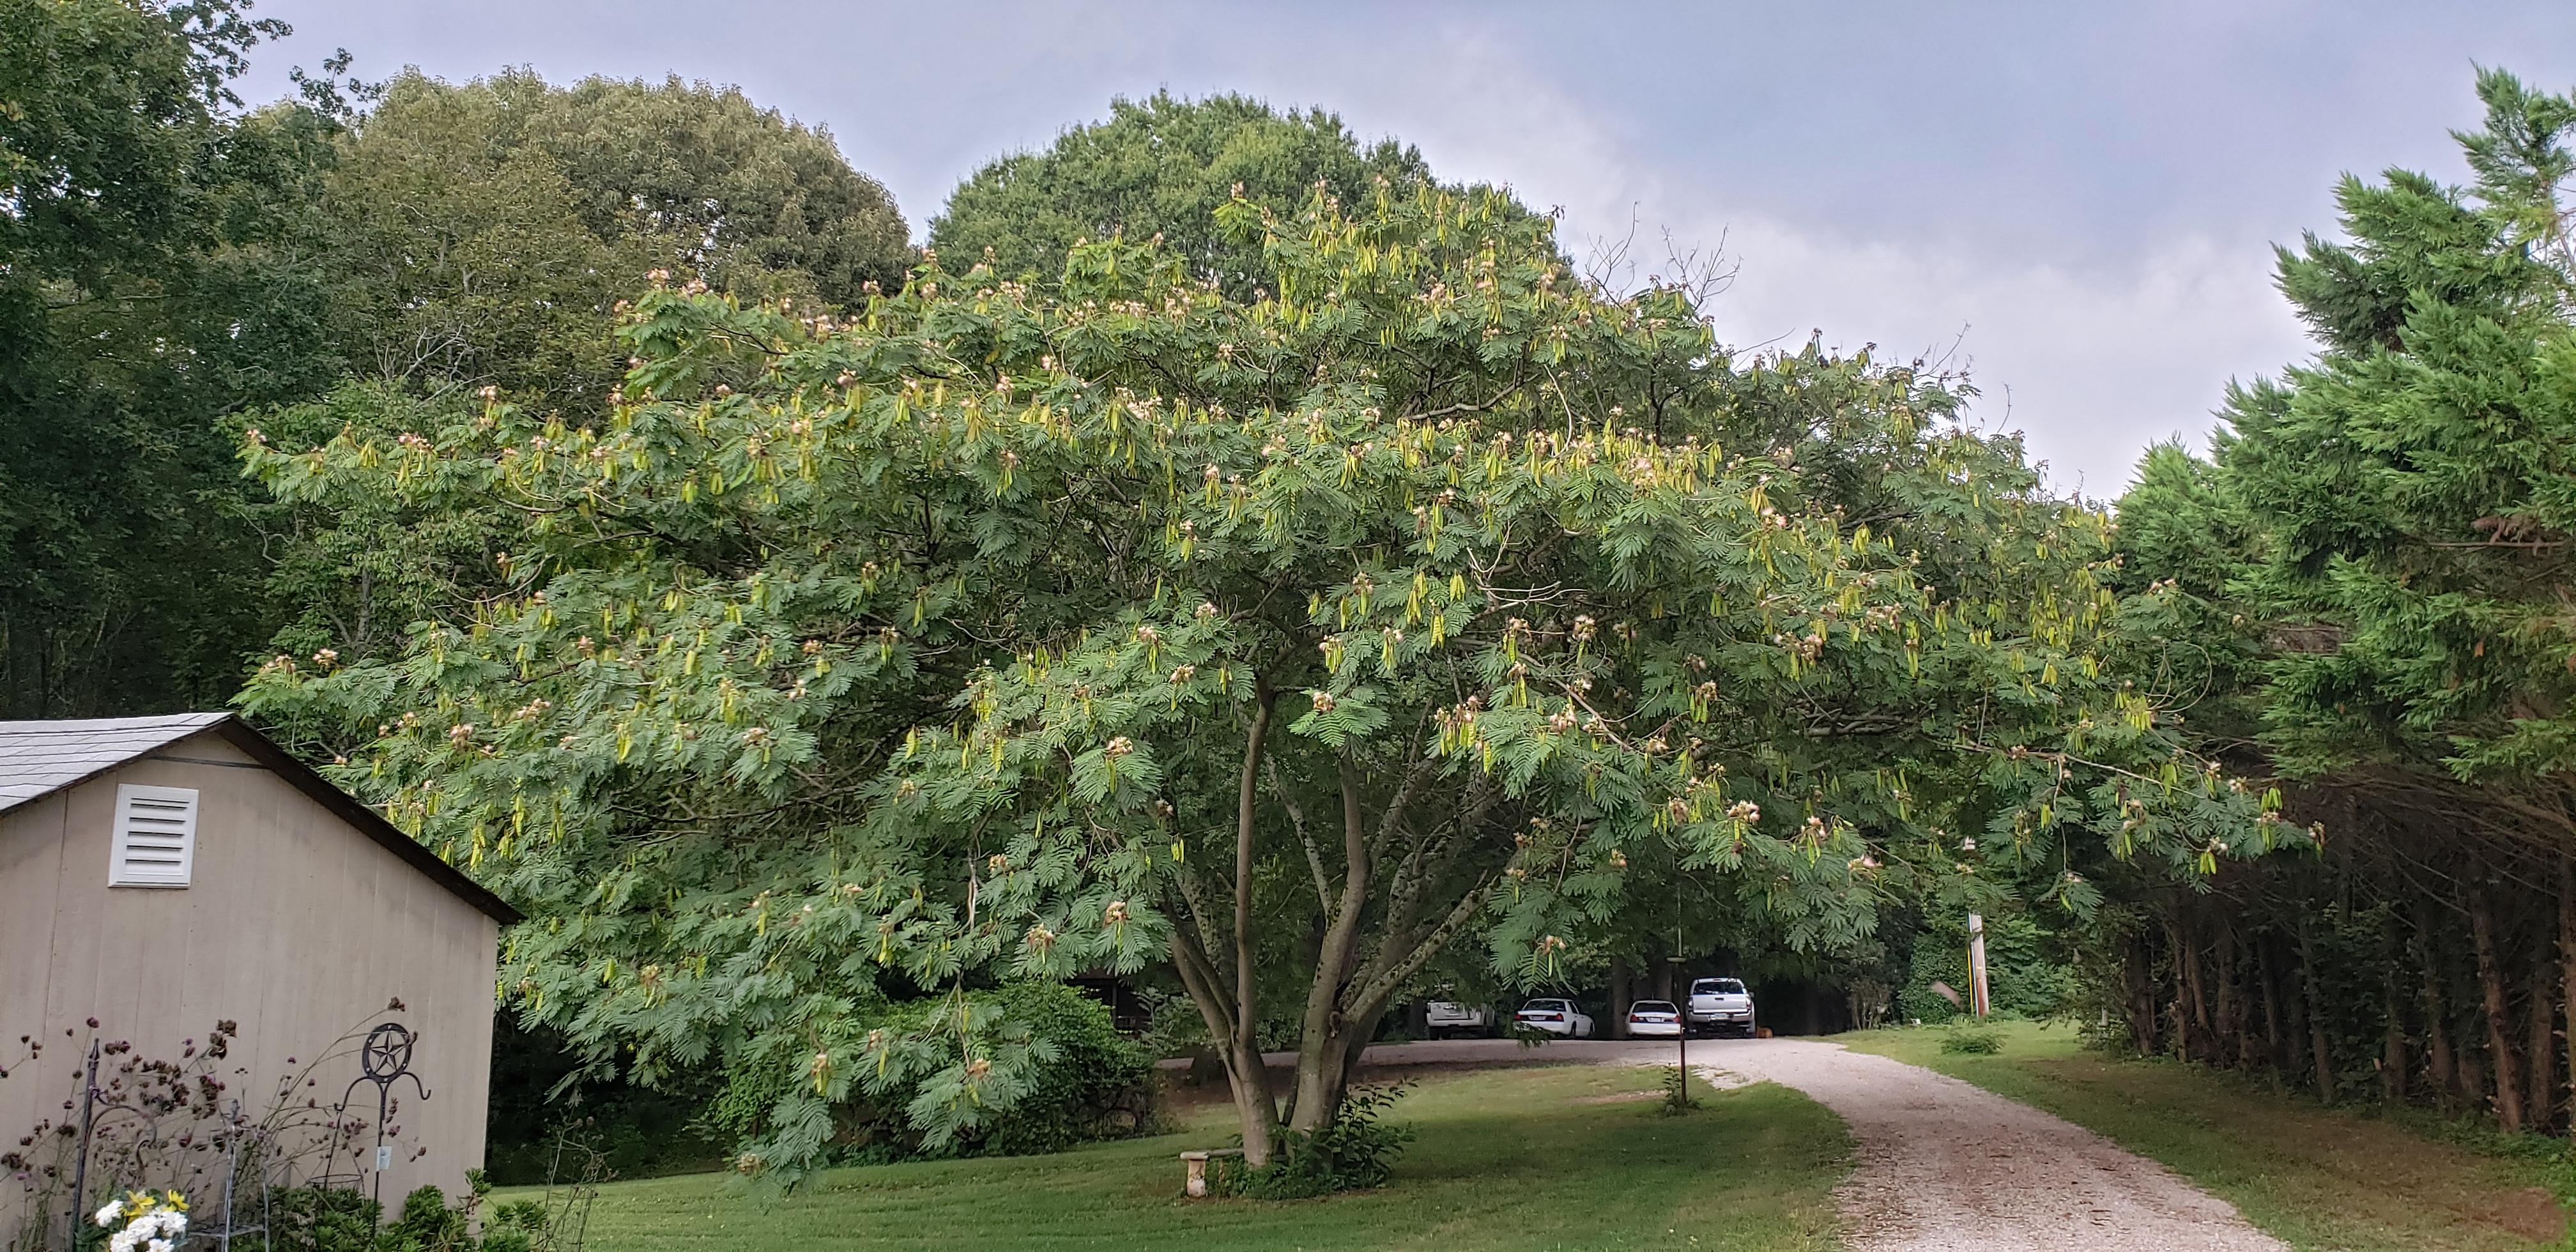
(1520, 1160)
(2313, 1177)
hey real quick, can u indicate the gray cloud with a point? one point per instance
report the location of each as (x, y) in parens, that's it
(2078, 199)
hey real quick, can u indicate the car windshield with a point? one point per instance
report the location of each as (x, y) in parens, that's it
(1554, 1006)
(1651, 1006)
(1717, 986)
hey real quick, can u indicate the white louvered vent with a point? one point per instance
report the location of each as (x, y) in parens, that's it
(156, 837)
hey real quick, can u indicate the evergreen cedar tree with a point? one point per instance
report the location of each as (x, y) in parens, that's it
(992, 629)
(2370, 572)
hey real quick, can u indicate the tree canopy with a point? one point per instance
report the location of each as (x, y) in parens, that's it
(996, 630)
(1160, 168)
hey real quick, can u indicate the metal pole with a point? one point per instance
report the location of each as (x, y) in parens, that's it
(80, 1165)
(232, 1167)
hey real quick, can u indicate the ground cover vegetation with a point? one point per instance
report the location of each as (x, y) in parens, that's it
(1554, 1157)
(1229, 555)
(2369, 579)
(2359, 1178)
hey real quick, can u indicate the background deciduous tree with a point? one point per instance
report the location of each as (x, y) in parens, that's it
(149, 285)
(1162, 167)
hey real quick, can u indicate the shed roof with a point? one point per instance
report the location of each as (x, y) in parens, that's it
(38, 759)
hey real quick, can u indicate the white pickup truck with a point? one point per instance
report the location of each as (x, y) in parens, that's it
(1720, 1006)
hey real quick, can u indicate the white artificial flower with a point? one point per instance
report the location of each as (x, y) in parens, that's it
(159, 1245)
(107, 1216)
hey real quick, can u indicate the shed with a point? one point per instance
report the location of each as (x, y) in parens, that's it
(160, 874)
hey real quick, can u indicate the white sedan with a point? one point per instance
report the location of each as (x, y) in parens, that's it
(1554, 1017)
(1654, 1019)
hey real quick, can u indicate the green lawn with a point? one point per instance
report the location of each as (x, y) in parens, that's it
(2314, 1177)
(1539, 1159)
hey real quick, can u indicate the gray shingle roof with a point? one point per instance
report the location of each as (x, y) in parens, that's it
(41, 758)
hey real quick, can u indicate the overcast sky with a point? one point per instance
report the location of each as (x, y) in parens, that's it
(2078, 202)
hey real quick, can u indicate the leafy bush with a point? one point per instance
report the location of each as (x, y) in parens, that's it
(1088, 1083)
(1971, 1041)
(1354, 1152)
(1677, 1097)
(330, 1219)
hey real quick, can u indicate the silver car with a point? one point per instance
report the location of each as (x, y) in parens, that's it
(1721, 1006)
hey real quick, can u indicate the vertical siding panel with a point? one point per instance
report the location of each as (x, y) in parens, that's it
(296, 926)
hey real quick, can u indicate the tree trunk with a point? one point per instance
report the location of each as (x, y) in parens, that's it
(2442, 1067)
(1245, 1070)
(2191, 1019)
(2393, 1064)
(2138, 984)
(2541, 1060)
(2320, 1045)
(2567, 972)
(2508, 1085)
(2272, 1054)
(2228, 1044)
(1325, 1050)
(1621, 978)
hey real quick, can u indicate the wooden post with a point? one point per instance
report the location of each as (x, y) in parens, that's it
(1196, 1163)
(1980, 1002)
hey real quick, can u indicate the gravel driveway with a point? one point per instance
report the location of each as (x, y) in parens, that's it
(1943, 1165)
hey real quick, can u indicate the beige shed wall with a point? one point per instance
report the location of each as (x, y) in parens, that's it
(295, 926)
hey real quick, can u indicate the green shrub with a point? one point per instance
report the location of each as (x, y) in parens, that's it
(1677, 1097)
(1354, 1152)
(1971, 1041)
(324, 1219)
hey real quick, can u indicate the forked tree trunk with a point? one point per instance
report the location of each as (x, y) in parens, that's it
(1326, 1050)
(1236, 1020)
(1396, 907)
(2500, 1058)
